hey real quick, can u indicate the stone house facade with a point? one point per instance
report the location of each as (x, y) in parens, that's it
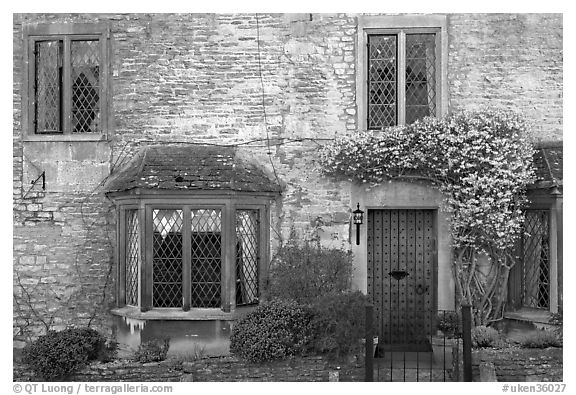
(138, 138)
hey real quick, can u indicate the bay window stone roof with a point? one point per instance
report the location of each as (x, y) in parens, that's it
(548, 161)
(192, 167)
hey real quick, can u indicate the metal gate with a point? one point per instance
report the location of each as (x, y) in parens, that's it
(401, 272)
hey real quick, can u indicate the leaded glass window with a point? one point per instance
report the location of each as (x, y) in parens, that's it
(66, 80)
(184, 265)
(247, 256)
(167, 258)
(132, 256)
(536, 259)
(206, 245)
(85, 59)
(402, 78)
(48, 86)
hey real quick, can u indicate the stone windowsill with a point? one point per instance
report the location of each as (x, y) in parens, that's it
(194, 314)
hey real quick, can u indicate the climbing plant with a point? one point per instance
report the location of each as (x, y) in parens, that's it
(482, 162)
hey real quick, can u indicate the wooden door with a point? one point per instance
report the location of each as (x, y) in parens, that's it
(401, 274)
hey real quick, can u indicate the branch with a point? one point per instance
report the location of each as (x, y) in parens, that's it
(30, 306)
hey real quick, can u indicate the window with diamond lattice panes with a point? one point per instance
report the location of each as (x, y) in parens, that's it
(66, 81)
(132, 257)
(167, 258)
(247, 256)
(536, 259)
(206, 258)
(382, 103)
(48, 89)
(187, 264)
(420, 76)
(85, 60)
(402, 78)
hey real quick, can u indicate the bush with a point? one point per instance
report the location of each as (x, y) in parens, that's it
(339, 323)
(483, 337)
(57, 355)
(273, 331)
(541, 339)
(152, 351)
(302, 271)
(449, 323)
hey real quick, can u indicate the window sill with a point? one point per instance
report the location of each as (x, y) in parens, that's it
(65, 137)
(194, 314)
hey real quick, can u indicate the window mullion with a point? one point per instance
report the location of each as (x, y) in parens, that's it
(66, 86)
(228, 279)
(146, 279)
(186, 259)
(401, 78)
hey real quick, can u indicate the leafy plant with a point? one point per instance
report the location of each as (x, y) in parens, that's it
(339, 323)
(484, 337)
(152, 351)
(57, 355)
(481, 161)
(273, 330)
(303, 270)
(541, 339)
(449, 323)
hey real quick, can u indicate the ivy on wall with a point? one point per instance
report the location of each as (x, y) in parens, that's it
(481, 161)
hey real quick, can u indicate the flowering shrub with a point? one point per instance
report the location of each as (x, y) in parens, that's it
(481, 161)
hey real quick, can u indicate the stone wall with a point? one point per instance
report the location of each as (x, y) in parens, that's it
(520, 365)
(208, 79)
(510, 61)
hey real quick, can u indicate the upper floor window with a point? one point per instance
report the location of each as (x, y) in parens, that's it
(401, 69)
(66, 81)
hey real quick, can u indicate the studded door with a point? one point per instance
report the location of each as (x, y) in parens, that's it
(401, 271)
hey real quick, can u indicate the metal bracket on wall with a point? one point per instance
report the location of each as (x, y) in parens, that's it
(43, 177)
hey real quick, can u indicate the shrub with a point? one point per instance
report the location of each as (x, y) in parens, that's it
(152, 351)
(449, 323)
(483, 337)
(305, 270)
(273, 330)
(339, 323)
(541, 339)
(57, 355)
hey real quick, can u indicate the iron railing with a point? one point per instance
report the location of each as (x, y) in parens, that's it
(419, 346)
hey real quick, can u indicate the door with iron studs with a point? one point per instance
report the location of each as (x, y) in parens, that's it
(401, 252)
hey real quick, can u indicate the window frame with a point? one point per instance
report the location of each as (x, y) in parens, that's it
(400, 25)
(228, 207)
(65, 32)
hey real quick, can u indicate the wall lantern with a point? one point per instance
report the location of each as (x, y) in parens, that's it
(358, 219)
